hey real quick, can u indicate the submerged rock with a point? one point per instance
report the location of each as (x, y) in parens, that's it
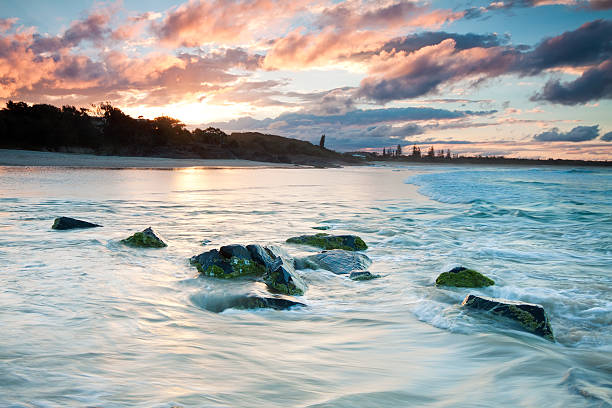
(327, 241)
(256, 298)
(530, 316)
(231, 261)
(462, 277)
(261, 302)
(145, 239)
(66, 223)
(338, 261)
(362, 275)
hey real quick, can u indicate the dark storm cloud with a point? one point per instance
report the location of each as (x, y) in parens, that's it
(577, 134)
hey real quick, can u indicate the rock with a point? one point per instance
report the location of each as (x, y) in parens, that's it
(530, 316)
(322, 227)
(255, 300)
(225, 265)
(145, 239)
(462, 277)
(211, 263)
(260, 255)
(282, 278)
(66, 223)
(327, 241)
(362, 275)
(238, 251)
(338, 261)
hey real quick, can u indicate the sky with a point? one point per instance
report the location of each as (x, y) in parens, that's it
(518, 78)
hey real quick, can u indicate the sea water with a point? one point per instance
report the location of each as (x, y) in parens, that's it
(87, 321)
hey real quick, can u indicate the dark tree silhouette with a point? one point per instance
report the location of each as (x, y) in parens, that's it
(322, 142)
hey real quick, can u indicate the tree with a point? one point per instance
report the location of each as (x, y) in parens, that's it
(431, 153)
(322, 142)
(448, 154)
(416, 151)
(384, 152)
(398, 152)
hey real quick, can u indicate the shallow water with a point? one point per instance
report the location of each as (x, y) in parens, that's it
(86, 321)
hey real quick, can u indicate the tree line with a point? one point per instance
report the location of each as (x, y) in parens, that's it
(102, 127)
(416, 153)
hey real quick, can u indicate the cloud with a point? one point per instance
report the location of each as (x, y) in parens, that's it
(350, 31)
(201, 22)
(607, 137)
(353, 129)
(401, 75)
(600, 4)
(591, 43)
(7, 23)
(403, 70)
(93, 28)
(577, 134)
(414, 42)
(595, 83)
(509, 4)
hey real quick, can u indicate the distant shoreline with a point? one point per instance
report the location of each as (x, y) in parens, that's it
(32, 158)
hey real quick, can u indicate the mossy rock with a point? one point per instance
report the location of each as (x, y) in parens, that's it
(214, 263)
(531, 317)
(464, 278)
(145, 239)
(276, 281)
(282, 278)
(327, 241)
(363, 276)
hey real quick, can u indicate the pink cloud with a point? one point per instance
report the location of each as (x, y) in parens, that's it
(201, 22)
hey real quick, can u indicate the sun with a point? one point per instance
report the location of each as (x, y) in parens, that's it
(193, 113)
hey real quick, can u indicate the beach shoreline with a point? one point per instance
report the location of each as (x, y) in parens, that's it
(31, 158)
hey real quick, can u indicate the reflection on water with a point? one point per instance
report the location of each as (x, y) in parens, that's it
(86, 321)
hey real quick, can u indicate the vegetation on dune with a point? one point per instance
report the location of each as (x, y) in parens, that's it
(105, 129)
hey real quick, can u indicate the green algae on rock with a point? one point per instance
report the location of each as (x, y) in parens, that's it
(224, 264)
(281, 277)
(461, 277)
(145, 239)
(531, 317)
(327, 241)
(363, 276)
(66, 223)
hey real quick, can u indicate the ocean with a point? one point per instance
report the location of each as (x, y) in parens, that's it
(86, 321)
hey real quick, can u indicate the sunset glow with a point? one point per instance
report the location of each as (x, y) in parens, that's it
(513, 78)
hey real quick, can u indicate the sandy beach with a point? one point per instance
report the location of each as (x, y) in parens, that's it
(52, 159)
